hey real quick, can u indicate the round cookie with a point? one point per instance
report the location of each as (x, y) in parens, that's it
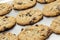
(6, 22)
(55, 26)
(5, 8)
(52, 9)
(35, 32)
(23, 4)
(45, 1)
(29, 17)
(8, 36)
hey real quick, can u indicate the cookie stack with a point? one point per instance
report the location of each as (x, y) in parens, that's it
(28, 17)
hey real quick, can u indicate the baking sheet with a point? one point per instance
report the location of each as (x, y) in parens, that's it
(46, 21)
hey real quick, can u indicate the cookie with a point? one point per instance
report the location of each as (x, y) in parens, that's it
(55, 25)
(5, 8)
(23, 4)
(52, 9)
(6, 22)
(35, 32)
(45, 1)
(29, 17)
(8, 36)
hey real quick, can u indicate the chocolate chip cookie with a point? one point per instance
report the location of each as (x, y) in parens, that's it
(52, 9)
(29, 17)
(55, 25)
(23, 4)
(8, 36)
(35, 32)
(6, 22)
(5, 8)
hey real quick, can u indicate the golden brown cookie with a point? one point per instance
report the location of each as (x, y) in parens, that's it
(23, 4)
(52, 9)
(55, 25)
(5, 8)
(35, 32)
(8, 36)
(29, 17)
(6, 22)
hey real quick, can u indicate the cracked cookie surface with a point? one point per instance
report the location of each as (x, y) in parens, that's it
(6, 22)
(23, 4)
(34, 32)
(5, 8)
(29, 17)
(52, 9)
(55, 26)
(8, 36)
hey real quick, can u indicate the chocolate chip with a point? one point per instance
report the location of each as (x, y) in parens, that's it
(51, 8)
(3, 37)
(20, 3)
(34, 18)
(4, 20)
(40, 14)
(43, 35)
(31, 22)
(42, 30)
(22, 29)
(14, 34)
(36, 25)
(20, 15)
(6, 16)
(4, 27)
(28, 14)
(31, 0)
